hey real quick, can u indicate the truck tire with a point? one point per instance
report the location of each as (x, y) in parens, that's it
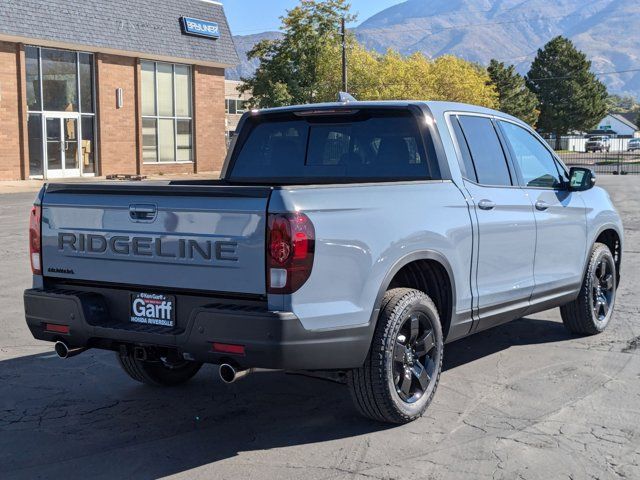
(590, 313)
(400, 375)
(159, 373)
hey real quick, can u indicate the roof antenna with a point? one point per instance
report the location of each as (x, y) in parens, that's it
(344, 97)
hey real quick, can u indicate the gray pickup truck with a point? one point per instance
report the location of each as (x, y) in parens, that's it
(346, 239)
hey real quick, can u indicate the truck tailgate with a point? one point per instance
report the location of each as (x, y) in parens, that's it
(194, 237)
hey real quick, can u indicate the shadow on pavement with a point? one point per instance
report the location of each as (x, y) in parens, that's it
(84, 416)
(525, 331)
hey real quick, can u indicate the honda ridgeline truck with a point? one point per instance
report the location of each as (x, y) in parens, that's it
(352, 239)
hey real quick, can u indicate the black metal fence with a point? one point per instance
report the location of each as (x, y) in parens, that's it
(618, 160)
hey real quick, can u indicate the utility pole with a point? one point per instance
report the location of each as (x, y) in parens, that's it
(344, 57)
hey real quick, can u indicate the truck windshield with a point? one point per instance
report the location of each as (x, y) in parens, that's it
(361, 146)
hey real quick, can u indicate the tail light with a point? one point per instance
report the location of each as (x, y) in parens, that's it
(290, 249)
(34, 240)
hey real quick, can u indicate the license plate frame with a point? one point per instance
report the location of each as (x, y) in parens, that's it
(152, 309)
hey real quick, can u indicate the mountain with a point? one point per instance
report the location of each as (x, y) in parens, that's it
(509, 30)
(244, 43)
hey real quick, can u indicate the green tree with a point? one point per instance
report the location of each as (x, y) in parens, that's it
(391, 76)
(570, 95)
(289, 67)
(622, 103)
(304, 66)
(457, 80)
(514, 96)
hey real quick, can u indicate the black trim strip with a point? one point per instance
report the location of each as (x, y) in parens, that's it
(197, 189)
(53, 282)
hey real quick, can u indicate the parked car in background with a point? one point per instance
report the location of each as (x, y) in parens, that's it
(350, 239)
(633, 145)
(598, 144)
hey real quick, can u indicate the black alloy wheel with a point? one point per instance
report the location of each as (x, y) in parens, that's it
(591, 312)
(400, 375)
(413, 364)
(603, 287)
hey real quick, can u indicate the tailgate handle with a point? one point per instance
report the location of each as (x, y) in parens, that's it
(143, 213)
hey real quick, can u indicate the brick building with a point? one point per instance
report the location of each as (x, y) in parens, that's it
(235, 105)
(97, 87)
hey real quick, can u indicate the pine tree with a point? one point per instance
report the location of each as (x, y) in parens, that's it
(514, 96)
(570, 95)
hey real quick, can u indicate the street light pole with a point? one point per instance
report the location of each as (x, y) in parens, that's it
(344, 57)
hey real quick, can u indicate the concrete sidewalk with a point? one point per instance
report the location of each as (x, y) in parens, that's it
(23, 186)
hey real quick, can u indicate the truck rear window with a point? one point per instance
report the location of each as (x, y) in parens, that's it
(363, 146)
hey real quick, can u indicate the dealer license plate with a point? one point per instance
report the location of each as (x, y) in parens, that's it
(153, 309)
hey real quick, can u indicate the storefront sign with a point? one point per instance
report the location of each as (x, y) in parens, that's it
(201, 28)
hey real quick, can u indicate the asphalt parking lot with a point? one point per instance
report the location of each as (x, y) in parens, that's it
(525, 400)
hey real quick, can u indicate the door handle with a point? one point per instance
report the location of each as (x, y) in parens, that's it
(486, 205)
(541, 205)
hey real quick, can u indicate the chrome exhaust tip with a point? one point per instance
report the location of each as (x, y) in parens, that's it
(63, 350)
(229, 374)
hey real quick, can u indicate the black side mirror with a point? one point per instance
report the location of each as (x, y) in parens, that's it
(581, 179)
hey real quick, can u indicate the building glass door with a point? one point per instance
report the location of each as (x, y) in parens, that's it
(61, 113)
(61, 152)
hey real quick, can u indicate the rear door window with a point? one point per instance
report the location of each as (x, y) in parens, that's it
(486, 150)
(365, 146)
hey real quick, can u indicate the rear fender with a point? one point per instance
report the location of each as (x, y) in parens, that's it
(412, 257)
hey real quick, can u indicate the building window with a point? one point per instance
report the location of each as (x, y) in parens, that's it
(34, 127)
(235, 107)
(167, 124)
(60, 84)
(59, 80)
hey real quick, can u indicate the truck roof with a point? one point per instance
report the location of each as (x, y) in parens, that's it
(437, 108)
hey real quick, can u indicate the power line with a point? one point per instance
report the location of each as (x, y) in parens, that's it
(413, 83)
(568, 77)
(466, 25)
(429, 30)
(269, 28)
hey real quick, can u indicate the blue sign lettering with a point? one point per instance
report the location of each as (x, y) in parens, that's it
(201, 28)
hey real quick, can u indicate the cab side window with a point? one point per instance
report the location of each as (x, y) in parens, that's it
(466, 164)
(486, 151)
(535, 162)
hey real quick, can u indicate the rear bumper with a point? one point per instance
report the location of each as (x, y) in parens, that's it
(271, 339)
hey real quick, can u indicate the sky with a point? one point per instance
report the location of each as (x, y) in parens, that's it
(255, 16)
